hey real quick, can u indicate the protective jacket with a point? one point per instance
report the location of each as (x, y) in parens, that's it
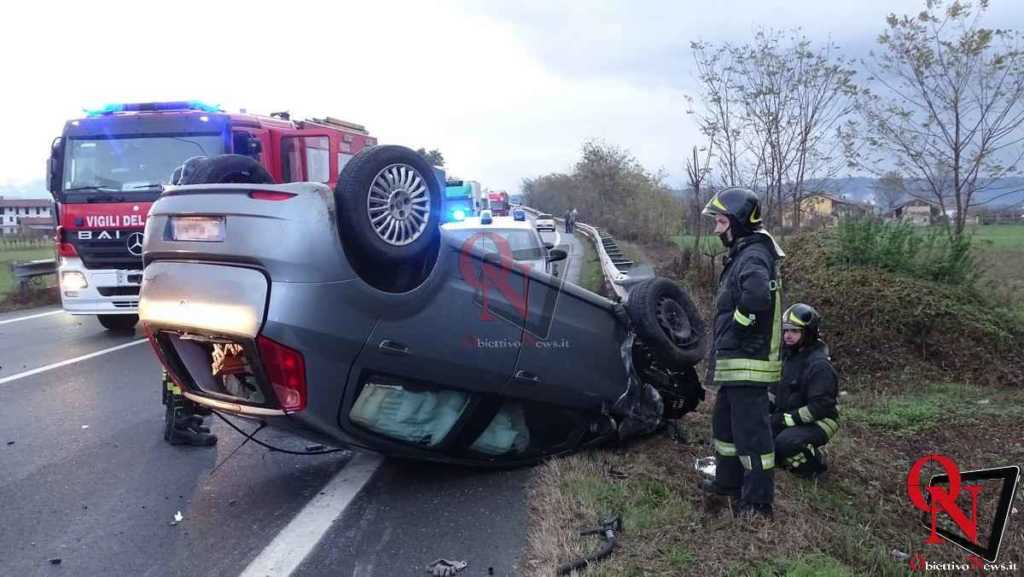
(808, 391)
(748, 312)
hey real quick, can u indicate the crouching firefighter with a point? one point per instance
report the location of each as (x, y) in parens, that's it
(804, 415)
(746, 356)
(183, 419)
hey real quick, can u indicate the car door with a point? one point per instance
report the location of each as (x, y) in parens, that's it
(571, 353)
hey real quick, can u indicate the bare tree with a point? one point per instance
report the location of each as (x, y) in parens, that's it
(948, 105)
(697, 171)
(772, 108)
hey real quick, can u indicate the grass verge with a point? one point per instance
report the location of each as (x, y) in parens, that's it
(845, 526)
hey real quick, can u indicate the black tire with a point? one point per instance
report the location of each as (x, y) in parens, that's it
(411, 206)
(118, 323)
(227, 169)
(668, 322)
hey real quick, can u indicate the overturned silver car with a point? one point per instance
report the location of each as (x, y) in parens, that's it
(350, 317)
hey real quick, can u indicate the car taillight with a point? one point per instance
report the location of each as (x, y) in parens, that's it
(270, 195)
(287, 373)
(64, 248)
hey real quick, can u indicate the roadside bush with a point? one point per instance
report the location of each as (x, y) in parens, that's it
(878, 320)
(904, 249)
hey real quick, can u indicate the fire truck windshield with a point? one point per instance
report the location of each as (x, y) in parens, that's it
(131, 164)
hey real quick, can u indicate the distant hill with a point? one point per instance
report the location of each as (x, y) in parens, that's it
(31, 189)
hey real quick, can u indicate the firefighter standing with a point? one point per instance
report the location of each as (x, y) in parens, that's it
(804, 416)
(746, 354)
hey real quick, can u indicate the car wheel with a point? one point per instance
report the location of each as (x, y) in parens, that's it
(389, 204)
(668, 322)
(225, 169)
(119, 323)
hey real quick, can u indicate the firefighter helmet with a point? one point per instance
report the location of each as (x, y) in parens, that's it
(740, 205)
(804, 318)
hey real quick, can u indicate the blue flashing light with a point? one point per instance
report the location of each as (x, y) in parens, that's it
(113, 108)
(105, 109)
(459, 214)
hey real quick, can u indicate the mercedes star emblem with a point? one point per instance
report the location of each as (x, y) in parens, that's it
(135, 243)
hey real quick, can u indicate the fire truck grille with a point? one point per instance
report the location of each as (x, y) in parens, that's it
(108, 253)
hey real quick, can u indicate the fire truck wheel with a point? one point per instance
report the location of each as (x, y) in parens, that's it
(227, 168)
(119, 323)
(667, 321)
(389, 201)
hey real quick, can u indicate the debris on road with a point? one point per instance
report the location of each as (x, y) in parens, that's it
(85, 426)
(9, 443)
(899, 556)
(608, 532)
(446, 568)
(178, 518)
(56, 561)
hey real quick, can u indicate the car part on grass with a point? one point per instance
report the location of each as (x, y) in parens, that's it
(608, 532)
(705, 466)
(446, 567)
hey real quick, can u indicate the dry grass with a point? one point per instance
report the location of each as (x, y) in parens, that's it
(845, 526)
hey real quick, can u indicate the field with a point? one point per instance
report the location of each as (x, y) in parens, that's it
(999, 236)
(1001, 251)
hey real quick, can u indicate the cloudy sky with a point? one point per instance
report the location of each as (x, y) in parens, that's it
(505, 90)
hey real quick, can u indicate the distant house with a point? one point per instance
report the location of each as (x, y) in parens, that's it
(917, 211)
(822, 208)
(36, 210)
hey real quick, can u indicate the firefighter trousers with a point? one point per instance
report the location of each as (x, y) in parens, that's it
(744, 449)
(797, 448)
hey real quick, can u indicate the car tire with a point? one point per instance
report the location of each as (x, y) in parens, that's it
(118, 323)
(666, 320)
(227, 169)
(389, 205)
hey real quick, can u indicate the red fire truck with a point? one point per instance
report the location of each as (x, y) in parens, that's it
(108, 167)
(498, 201)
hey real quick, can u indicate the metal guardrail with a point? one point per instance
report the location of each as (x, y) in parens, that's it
(24, 271)
(614, 265)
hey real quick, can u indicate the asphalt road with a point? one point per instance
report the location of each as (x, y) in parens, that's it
(86, 479)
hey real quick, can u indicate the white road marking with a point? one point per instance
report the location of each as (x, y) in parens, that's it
(291, 546)
(68, 362)
(36, 316)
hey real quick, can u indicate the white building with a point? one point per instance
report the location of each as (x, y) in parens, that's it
(26, 215)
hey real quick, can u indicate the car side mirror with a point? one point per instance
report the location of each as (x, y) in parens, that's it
(557, 254)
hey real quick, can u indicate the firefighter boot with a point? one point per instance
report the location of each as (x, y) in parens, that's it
(184, 432)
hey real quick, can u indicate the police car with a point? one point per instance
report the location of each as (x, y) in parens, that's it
(521, 241)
